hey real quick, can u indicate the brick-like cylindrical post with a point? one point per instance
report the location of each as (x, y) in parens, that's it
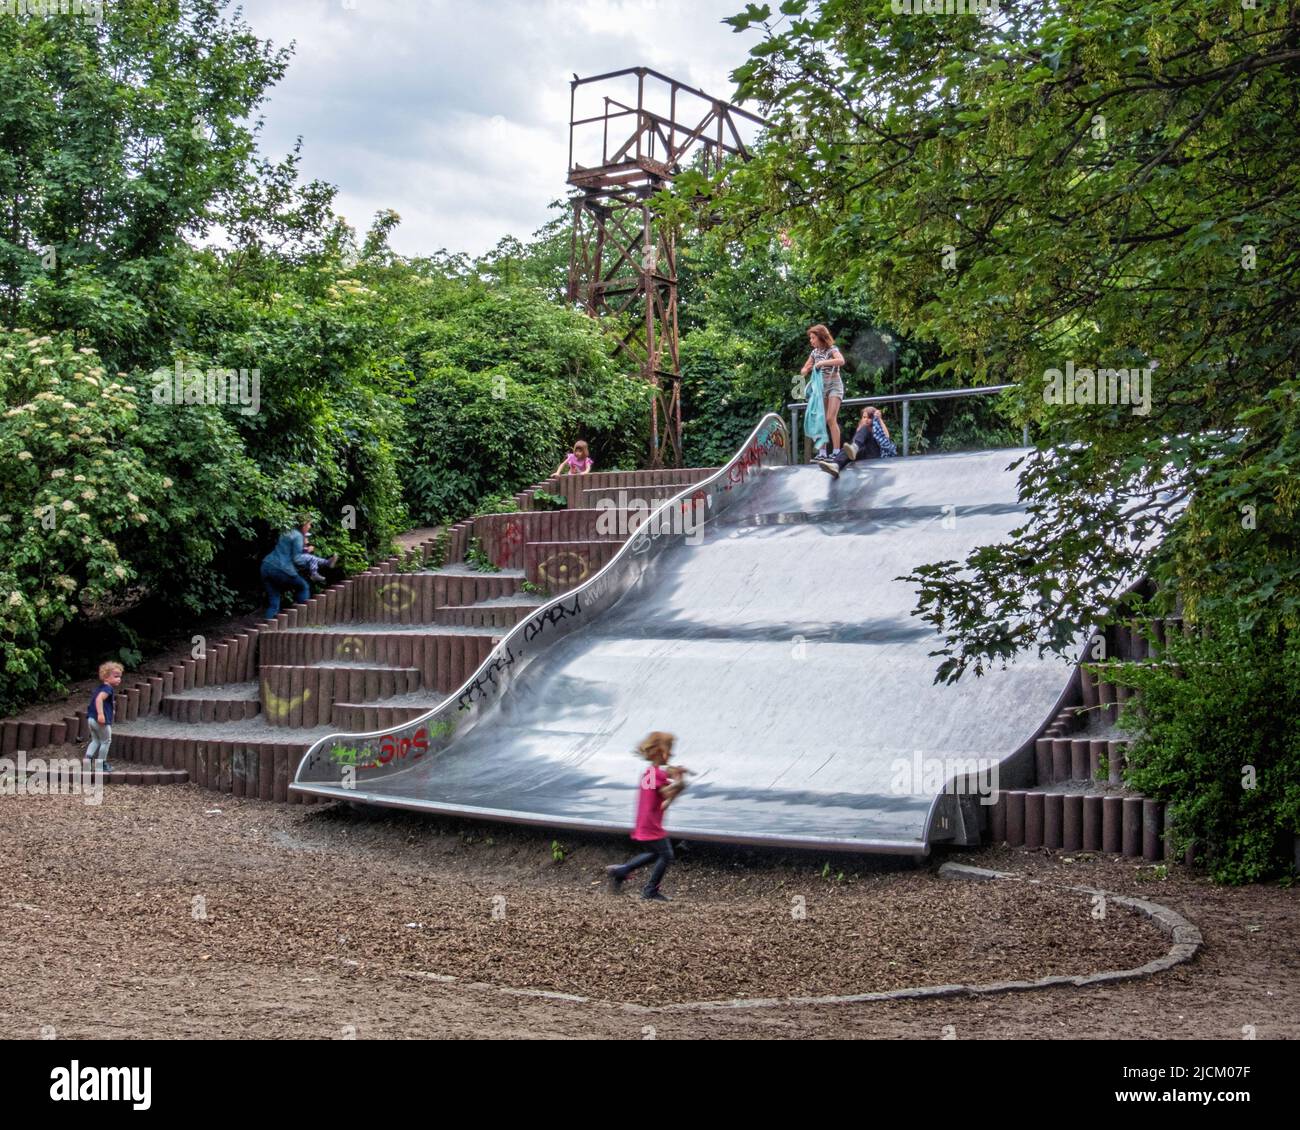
(1052, 810)
(1072, 822)
(1015, 818)
(1106, 696)
(1115, 752)
(1089, 686)
(1060, 759)
(1132, 825)
(1112, 819)
(1079, 750)
(1092, 823)
(1042, 761)
(1033, 820)
(1151, 828)
(1097, 751)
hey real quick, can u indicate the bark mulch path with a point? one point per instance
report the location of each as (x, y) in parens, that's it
(155, 915)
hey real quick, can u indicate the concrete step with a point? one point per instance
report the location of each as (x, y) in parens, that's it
(230, 702)
(624, 497)
(445, 655)
(69, 773)
(503, 536)
(490, 614)
(574, 487)
(304, 695)
(246, 767)
(355, 717)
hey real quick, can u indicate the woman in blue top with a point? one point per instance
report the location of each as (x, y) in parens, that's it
(280, 569)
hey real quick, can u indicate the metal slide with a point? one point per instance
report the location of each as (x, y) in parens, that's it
(779, 647)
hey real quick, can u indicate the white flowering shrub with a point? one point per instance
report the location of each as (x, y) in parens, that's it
(104, 495)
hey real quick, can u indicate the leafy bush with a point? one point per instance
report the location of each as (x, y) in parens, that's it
(498, 504)
(545, 500)
(1222, 703)
(475, 558)
(720, 404)
(469, 444)
(107, 497)
(328, 430)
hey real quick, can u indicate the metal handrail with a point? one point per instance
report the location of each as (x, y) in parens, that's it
(798, 407)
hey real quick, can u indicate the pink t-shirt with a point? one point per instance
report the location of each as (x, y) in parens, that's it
(650, 805)
(577, 466)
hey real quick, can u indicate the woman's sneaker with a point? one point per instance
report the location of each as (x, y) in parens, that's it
(851, 450)
(829, 467)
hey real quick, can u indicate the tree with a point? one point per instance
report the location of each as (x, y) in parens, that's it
(118, 140)
(106, 495)
(1057, 193)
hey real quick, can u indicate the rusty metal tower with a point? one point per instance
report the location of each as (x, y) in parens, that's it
(622, 264)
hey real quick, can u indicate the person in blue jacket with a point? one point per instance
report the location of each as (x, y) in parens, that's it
(280, 569)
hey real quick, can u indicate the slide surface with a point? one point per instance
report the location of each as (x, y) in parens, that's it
(780, 649)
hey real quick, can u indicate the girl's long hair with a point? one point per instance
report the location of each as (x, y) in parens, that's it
(657, 739)
(822, 334)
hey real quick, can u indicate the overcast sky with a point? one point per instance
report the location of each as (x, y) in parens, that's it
(455, 112)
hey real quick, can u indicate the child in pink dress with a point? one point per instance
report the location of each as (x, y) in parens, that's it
(577, 462)
(660, 783)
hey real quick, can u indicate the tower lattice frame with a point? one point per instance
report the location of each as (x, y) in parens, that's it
(622, 263)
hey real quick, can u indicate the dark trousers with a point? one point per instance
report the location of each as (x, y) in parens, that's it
(866, 444)
(662, 850)
(276, 583)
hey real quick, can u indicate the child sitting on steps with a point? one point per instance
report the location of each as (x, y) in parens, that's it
(309, 563)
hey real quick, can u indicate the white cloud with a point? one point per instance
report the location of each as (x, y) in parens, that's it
(456, 114)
